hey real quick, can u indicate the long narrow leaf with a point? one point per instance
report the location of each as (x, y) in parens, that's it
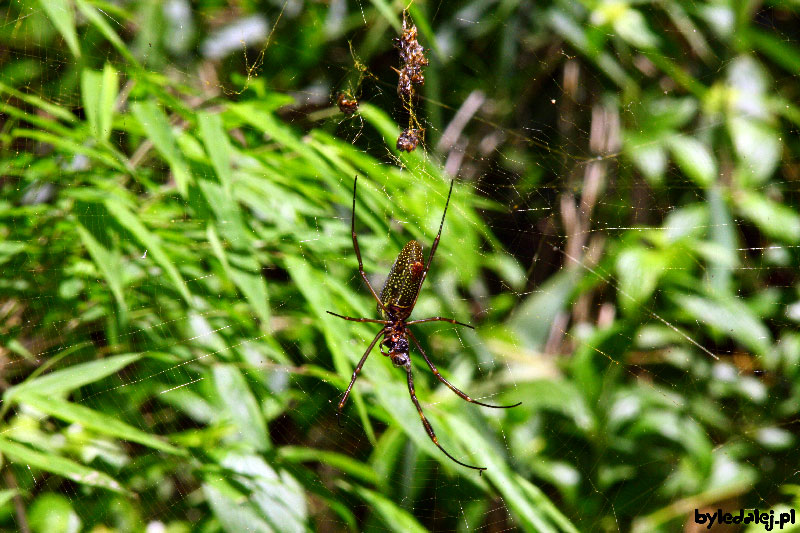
(94, 420)
(62, 15)
(241, 406)
(58, 465)
(155, 124)
(150, 242)
(394, 517)
(103, 260)
(73, 377)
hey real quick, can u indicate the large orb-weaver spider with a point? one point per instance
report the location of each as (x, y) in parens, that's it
(395, 304)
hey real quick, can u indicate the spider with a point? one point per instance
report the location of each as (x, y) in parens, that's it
(395, 304)
(347, 105)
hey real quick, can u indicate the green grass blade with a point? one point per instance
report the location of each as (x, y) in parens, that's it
(217, 146)
(241, 406)
(94, 420)
(48, 107)
(157, 128)
(6, 495)
(394, 517)
(107, 266)
(348, 465)
(70, 146)
(99, 91)
(530, 513)
(97, 18)
(73, 377)
(150, 242)
(62, 15)
(58, 465)
(305, 279)
(249, 280)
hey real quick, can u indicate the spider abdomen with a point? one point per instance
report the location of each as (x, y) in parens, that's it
(403, 284)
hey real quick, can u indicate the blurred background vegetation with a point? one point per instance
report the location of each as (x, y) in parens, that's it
(175, 187)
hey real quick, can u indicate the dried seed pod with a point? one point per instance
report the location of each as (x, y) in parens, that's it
(408, 139)
(348, 106)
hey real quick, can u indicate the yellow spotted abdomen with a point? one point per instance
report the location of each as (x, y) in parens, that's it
(403, 283)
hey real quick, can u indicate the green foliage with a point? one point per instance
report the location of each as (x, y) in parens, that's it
(623, 234)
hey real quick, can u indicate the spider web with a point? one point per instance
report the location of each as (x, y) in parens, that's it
(625, 248)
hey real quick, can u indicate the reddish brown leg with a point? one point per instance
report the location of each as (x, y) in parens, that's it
(434, 245)
(355, 375)
(453, 387)
(439, 319)
(358, 251)
(427, 424)
(358, 319)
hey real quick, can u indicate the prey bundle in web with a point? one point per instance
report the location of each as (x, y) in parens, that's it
(412, 55)
(412, 58)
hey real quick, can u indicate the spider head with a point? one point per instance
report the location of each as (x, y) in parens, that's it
(400, 359)
(398, 350)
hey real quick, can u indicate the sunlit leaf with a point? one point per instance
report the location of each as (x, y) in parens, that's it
(694, 159)
(156, 126)
(53, 513)
(729, 316)
(99, 91)
(94, 420)
(395, 518)
(534, 317)
(776, 220)
(217, 146)
(638, 272)
(274, 493)
(6, 495)
(231, 508)
(149, 242)
(62, 15)
(28, 457)
(648, 155)
(241, 406)
(72, 377)
(758, 146)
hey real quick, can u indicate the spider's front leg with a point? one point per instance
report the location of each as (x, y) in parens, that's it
(354, 319)
(358, 251)
(439, 319)
(355, 375)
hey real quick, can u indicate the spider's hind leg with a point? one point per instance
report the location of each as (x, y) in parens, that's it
(428, 426)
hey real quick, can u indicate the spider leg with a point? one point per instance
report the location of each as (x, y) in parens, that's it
(439, 318)
(427, 424)
(434, 245)
(358, 251)
(355, 375)
(450, 385)
(352, 319)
